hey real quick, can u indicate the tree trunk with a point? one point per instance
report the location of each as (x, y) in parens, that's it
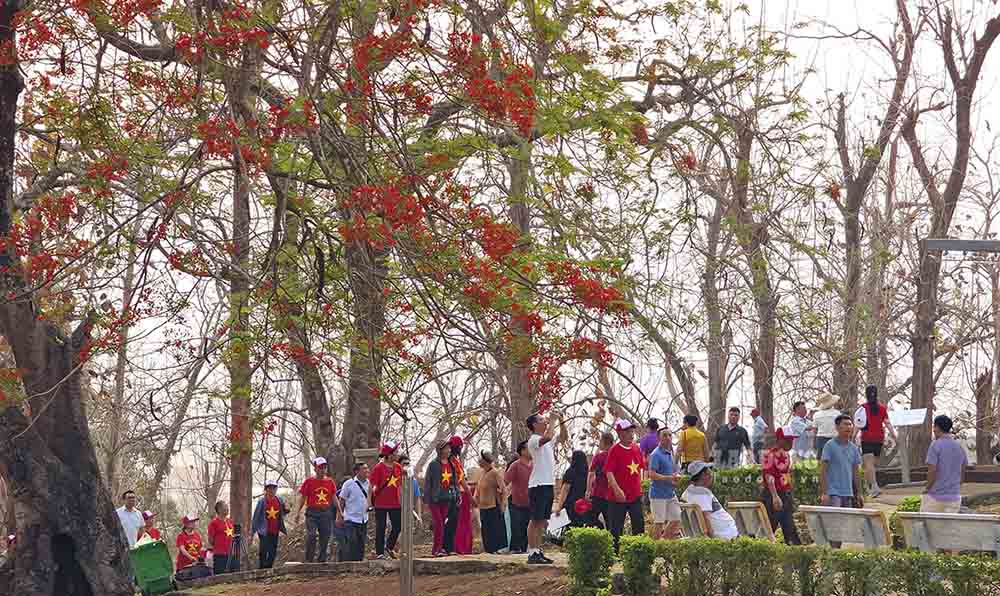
(985, 418)
(717, 355)
(519, 390)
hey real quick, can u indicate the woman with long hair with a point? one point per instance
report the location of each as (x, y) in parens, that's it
(573, 488)
(872, 421)
(463, 534)
(442, 493)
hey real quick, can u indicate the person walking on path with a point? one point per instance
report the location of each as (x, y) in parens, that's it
(624, 471)
(268, 523)
(188, 543)
(692, 445)
(597, 484)
(441, 491)
(776, 493)
(572, 488)
(516, 477)
(491, 493)
(662, 496)
(825, 420)
(318, 496)
(721, 524)
(839, 484)
(148, 529)
(759, 432)
(386, 482)
(464, 531)
(651, 439)
(730, 439)
(946, 463)
(800, 429)
(541, 484)
(220, 541)
(872, 422)
(353, 516)
(130, 517)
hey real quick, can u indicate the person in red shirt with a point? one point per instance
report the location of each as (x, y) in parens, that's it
(220, 541)
(386, 481)
(268, 522)
(776, 493)
(624, 471)
(872, 420)
(516, 477)
(188, 543)
(318, 496)
(148, 529)
(597, 485)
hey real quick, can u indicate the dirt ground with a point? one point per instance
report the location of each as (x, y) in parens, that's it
(543, 581)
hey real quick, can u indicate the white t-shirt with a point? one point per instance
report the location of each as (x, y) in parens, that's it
(824, 421)
(723, 524)
(131, 522)
(543, 457)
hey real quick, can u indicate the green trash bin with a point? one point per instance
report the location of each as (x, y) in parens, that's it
(154, 571)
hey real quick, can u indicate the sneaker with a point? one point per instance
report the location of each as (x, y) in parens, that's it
(875, 492)
(537, 558)
(546, 559)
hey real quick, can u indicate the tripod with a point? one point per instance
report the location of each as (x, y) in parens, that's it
(236, 550)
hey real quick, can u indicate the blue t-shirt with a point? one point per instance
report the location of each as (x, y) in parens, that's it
(661, 462)
(416, 489)
(840, 460)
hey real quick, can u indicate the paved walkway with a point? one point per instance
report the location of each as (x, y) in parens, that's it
(891, 497)
(561, 558)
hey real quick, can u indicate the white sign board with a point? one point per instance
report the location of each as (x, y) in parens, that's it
(907, 417)
(558, 520)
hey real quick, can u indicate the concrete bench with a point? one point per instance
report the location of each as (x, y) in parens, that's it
(932, 532)
(869, 527)
(694, 524)
(751, 519)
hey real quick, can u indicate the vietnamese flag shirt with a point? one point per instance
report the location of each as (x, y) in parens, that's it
(627, 464)
(271, 513)
(386, 481)
(319, 494)
(220, 535)
(191, 544)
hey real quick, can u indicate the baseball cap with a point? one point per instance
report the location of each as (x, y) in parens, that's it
(622, 424)
(189, 519)
(388, 449)
(697, 467)
(268, 483)
(319, 461)
(148, 515)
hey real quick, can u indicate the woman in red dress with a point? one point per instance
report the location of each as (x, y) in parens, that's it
(463, 535)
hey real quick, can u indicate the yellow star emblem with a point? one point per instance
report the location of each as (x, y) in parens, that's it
(272, 513)
(446, 478)
(192, 548)
(633, 468)
(393, 481)
(322, 497)
(229, 531)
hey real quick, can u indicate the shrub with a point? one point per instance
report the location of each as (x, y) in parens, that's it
(591, 555)
(907, 504)
(638, 554)
(744, 483)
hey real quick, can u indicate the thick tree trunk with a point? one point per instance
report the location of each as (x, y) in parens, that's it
(716, 348)
(986, 415)
(519, 390)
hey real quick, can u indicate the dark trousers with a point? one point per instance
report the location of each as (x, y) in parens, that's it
(394, 517)
(784, 518)
(357, 538)
(757, 449)
(600, 510)
(616, 519)
(318, 523)
(222, 563)
(519, 517)
(494, 529)
(268, 550)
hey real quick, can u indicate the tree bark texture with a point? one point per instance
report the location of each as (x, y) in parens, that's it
(519, 390)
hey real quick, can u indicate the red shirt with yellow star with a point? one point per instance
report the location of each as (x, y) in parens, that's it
(272, 511)
(777, 465)
(627, 464)
(220, 535)
(386, 482)
(319, 494)
(190, 543)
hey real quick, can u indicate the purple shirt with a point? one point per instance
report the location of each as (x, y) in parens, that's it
(948, 457)
(648, 443)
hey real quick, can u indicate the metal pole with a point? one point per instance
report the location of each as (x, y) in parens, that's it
(406, 552)
(904, 452)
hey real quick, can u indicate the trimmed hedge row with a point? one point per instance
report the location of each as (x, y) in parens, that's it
(744, 483)
(591, 555)
(746, 567)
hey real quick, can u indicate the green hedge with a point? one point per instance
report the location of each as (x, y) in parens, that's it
(744, 483)
(746, 567)
(591, 555)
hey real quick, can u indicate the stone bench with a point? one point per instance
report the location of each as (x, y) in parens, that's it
(751, 519)
(869, 527)
(931, 532)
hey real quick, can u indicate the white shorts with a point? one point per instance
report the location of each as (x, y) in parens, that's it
(929, 504)
(665, 510)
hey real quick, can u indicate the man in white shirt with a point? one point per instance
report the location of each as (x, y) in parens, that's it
(757, 436)
(825, 421)
(721, 524)
(800, 427)
(353, 516)
(541, 483)
(130, 517)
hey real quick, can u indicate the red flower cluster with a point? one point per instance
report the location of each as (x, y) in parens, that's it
(589, 292)
(398, 211)
(297, 353)
(546, 364)
(511, 98)
(498, 240)
(282, 120)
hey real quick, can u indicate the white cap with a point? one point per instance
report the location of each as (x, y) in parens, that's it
(268, 483)
(622, 424)
(319, 461)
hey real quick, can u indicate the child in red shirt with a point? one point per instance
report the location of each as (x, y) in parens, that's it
(188, 543)
(220, 541)
(386, 481)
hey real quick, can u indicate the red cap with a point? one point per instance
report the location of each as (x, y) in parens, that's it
(582, 506)
(755, 412)
(779, 435)
(456, 441)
